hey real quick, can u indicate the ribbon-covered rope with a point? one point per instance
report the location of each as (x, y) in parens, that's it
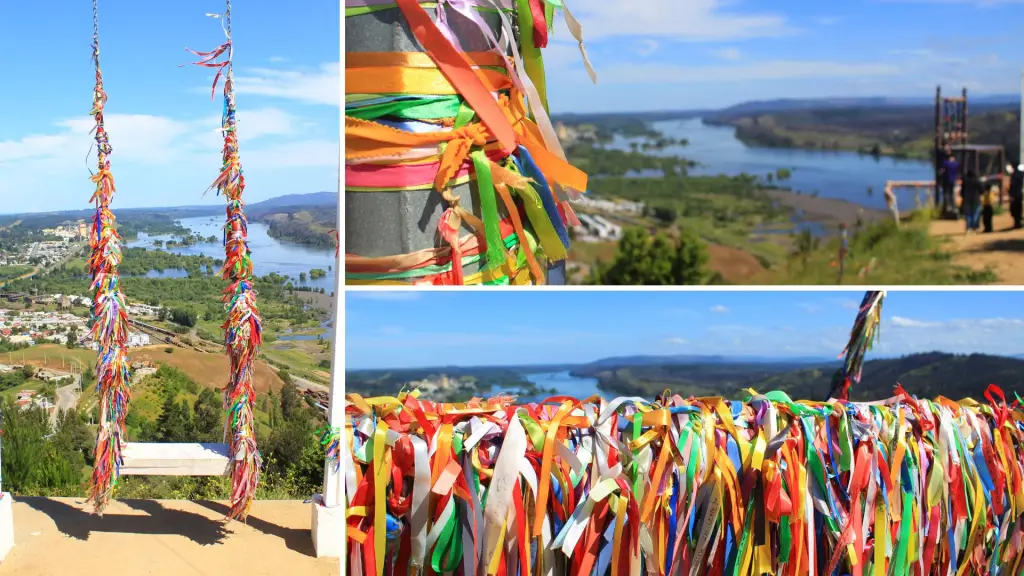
(242, 328)
(863, 335)
(109, 319)
(445, 117)
(685, 486)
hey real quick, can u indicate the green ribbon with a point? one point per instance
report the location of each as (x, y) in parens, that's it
(419, 108)
(532, 58)
(496, 254)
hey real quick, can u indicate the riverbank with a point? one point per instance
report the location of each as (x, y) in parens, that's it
(824, 214)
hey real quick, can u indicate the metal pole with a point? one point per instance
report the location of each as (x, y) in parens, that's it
(333, 486)
(1020, 159)
(938, 144)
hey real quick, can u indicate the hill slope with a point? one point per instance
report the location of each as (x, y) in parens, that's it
(925, 375)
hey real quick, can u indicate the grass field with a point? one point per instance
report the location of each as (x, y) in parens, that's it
(882, 254)
(207, 369)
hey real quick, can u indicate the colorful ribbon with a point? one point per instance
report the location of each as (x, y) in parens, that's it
(242, 328)
(109, 318)
(862, 337)
(684, 486)
(444, 117)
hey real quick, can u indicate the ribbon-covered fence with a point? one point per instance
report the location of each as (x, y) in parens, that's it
(766, 485)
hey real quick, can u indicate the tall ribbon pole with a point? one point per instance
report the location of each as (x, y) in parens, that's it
(109, 321)
(242, 328)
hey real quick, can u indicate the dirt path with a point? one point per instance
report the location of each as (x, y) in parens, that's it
(1002, 250)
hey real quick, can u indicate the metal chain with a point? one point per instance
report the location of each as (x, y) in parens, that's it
(227, 18)
(96, 31)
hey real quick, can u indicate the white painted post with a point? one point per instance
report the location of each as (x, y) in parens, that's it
(328, 512)
(333, 486)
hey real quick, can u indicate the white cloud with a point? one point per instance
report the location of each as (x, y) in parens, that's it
(772, 70)
(277, 59)
(730, 54)
(719, 309)
(693, 20)
(149, 139)
(809, 307)
(901, 322)
(826, 20)
(901, 335)
(677, 341)
(319, 86)
(646, 47)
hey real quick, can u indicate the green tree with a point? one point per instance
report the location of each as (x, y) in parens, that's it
(804, 245)
(208, 422)
(175, 421)
(291, 401)
(642, 261)
(690, 266)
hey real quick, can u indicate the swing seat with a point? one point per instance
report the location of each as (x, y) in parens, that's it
(170, 459)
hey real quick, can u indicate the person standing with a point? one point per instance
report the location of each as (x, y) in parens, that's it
(950, 175)
(1017, 196)
(987, 209)
(970, 195)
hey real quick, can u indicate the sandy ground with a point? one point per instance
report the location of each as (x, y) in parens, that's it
(60, 537)
(1001, 250)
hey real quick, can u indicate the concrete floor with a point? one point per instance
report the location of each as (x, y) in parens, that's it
(60, 537)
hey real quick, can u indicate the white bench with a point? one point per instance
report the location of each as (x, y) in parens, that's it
(187, 459)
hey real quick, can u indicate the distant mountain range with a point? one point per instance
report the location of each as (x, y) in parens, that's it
(253, 210)
(684, 359)
(985, 101)
(926, 375)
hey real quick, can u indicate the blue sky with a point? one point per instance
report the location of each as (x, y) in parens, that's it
(673, 54)
(419, 329)
(162, 123)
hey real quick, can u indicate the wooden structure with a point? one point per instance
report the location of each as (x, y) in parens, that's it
(952, 136)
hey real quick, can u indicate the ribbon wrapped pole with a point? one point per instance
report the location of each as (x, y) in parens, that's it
(681, 486)
(242, 328)
(862, 337)
(454, 173)
(109, 319)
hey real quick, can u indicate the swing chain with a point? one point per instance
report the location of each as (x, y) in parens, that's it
(96, 31)
(227, 18)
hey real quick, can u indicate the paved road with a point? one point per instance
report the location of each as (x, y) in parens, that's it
(67, 399)
(304, 384)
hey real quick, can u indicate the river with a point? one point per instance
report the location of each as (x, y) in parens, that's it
(563, 384)
(840, 175)
(268, 254)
